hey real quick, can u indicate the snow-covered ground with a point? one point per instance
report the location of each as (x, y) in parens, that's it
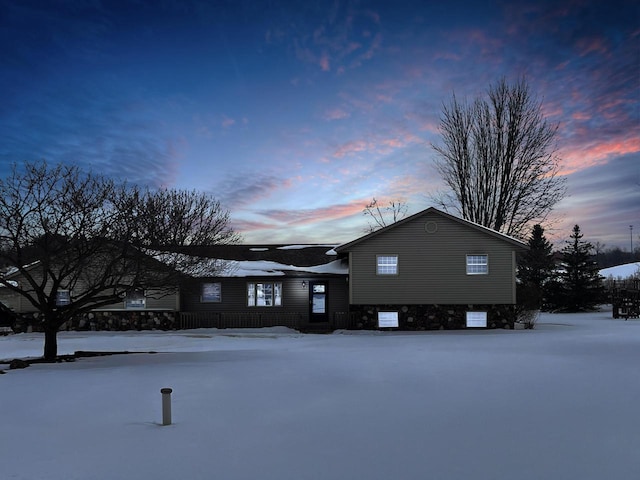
(558, 402)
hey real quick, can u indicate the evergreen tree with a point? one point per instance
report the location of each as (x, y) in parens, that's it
(580, 283)
(535, 269)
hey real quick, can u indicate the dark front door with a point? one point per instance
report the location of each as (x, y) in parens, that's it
(318, 302)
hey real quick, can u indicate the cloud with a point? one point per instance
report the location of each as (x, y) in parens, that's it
(603, 200)
(112, 135)
(227, 122)
(324, 62)
(376, 145)
(335, 114)
(291, 217)
(337, 39)
(238, 191)
(580, 157)
(245, 226)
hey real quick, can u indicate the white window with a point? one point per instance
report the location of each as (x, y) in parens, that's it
(135, 299)
(387, 265)
(476, 319)
(477, 264)
(211, 293)
(264, 294)
(63, 297)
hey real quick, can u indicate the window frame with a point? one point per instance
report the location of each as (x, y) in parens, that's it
(143, 306)
(211, 298)
(383, 265)
(63, 297)
(253, 294)
(477, 266)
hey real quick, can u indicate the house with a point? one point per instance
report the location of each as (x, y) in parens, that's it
(432, 270)
(138, 309)
(299, 286)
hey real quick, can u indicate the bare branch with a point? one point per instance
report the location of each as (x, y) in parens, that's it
(498, 157)
(63, 229)
(382, 216)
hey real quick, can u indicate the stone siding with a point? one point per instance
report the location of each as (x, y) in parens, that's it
(432, 317)
(117, 320)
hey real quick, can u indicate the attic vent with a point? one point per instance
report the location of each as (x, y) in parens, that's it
(431, 227)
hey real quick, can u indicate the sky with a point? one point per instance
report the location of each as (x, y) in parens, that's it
(296, 114)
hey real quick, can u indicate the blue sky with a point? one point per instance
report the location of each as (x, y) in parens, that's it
(296, 114)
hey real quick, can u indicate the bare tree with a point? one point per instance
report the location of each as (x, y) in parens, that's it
(498, 157)
(79, 241)
(390, 213)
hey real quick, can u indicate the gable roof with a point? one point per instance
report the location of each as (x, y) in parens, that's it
(500, 236)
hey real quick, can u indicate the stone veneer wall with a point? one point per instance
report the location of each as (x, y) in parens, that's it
(120, 320)
(433, 317)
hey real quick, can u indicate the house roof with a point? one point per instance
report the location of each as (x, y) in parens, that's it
(506, 238)
(271, 260)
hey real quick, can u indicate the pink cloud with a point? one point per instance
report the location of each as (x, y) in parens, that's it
(579, 158)
(591, 45)
(489, 43)
(581, 116)
(448, 55)
(384, 98)
(335, 114)
(378, 146)
(350, 48)
(227, 122)
(315, 215)
(344, 39)
(351, 148)
(324, 62)
(249, 225)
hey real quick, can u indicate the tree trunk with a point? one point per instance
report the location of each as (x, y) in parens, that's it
(50, 341)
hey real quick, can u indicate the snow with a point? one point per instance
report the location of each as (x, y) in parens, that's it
(621, 271)
(557, 402)
(311, 245)
(266, 268)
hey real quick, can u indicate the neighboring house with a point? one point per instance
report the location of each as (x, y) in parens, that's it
(433, 270)
(138, 309)
(428, 271)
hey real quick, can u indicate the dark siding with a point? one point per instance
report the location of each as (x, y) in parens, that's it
(295, 297)
(22, 305)
(432, 266)
(338, 295)
(168, 302)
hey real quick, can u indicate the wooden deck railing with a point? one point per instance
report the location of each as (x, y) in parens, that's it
(190, 320)
(187, 320)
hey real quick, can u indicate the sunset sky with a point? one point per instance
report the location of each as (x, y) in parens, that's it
(295, 114)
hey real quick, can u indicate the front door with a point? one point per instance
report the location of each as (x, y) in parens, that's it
(318, 302)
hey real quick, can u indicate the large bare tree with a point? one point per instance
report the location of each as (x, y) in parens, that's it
(498, 156)
(78, 241)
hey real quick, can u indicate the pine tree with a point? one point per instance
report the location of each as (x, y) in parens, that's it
(535, 269)
(580, 283)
